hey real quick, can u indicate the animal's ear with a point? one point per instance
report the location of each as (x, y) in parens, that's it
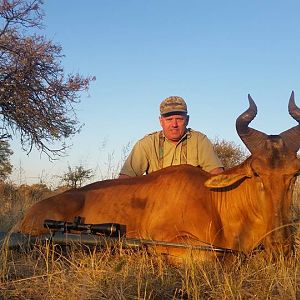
(224, 180)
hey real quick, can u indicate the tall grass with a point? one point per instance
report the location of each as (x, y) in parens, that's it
(45, 274)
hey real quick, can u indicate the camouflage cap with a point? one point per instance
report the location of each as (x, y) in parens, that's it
(173, 105)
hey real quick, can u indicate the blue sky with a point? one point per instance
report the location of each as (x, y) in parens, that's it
(212, 53)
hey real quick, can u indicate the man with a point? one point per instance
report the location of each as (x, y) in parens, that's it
(175, 144)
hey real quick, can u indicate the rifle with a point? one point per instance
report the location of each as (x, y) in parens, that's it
(92, 235)
(69, 233)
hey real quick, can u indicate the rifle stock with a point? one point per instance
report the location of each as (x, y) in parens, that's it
(17, 241)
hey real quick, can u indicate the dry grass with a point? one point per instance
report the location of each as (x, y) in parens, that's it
(44, 273)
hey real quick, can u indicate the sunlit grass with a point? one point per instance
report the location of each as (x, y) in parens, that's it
(45, 273)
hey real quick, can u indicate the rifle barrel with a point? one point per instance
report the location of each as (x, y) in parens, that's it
(25, 241)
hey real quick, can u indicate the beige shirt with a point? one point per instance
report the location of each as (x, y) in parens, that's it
(145, 155)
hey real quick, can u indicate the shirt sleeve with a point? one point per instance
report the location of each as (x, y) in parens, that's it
(208, 159)
(137, 162)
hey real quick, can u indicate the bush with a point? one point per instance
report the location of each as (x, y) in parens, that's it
(229, 153)
(16, 199)
(74, 178)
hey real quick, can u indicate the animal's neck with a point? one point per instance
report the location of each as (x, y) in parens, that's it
(241, 215)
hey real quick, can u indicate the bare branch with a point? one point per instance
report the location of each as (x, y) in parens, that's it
(36, 96)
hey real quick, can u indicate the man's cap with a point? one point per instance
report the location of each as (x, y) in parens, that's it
(173, 105)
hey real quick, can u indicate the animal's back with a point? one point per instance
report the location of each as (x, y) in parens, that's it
(160, 205)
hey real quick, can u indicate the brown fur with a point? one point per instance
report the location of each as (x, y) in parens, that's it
(174, 205)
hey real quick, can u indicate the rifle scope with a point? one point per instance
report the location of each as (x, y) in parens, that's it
(108, 229)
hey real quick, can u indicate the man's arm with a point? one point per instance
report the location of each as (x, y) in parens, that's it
(207, 157)
(136, 163)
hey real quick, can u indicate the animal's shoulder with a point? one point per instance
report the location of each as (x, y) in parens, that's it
(184, 171)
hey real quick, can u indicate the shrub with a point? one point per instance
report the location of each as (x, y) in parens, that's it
(229, 152)
(16, 199)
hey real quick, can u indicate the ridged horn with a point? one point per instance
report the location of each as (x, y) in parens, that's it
(252, 138)
(291, 136)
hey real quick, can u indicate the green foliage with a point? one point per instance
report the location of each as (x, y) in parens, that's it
(75, 177)
(229, 153)
(36, 98)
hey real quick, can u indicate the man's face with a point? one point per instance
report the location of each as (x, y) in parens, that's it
(174, 126)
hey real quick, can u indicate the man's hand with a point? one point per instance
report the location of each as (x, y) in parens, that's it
(216, 171)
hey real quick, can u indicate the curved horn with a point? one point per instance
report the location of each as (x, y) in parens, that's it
(253, 139)
(294, 110)
(291, 136)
